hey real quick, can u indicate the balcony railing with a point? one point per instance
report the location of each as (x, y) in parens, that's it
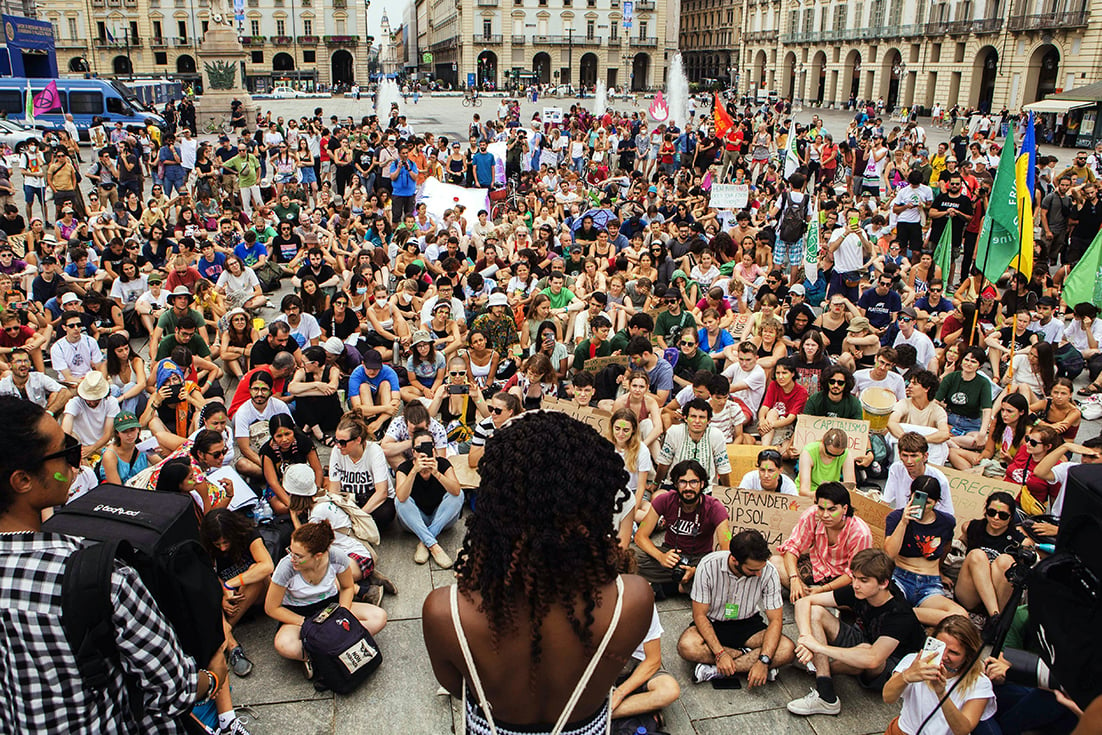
(1062, 19)
(958, 27)
(491, 40)
(181, 42)
(252, 41)
(644, 40)
(282, 40)
(488, 3)
(987, 25)
(519, 40)
(341, 40)
(761, 36)
(308, 40)
(547, 40)
(644, 5)
(158, 42)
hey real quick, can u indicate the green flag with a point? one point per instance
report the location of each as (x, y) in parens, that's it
(999, 240)
(1084, 282)
(811, 244)
(943, 255)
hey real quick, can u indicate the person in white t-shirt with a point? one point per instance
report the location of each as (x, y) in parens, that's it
(910, 206)
(76, 353)
(913, 462)
(747, 382)
(90, 416)
(358, 469)
(881, 375)
(923, 683)
(925, 354)
(260, 407)
(644, 687)
(768, 475)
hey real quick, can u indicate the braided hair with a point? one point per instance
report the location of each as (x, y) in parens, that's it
(542, 532)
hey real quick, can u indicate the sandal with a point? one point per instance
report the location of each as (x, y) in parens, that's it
(1090, 390)
(329, 440)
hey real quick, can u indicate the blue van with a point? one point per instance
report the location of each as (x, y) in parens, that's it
(87, 99)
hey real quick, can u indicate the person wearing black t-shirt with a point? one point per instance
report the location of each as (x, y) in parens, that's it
(12, 223)
(427, 497)
(886, 630)
(982, 578)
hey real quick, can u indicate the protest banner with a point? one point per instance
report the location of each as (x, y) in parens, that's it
(774, 515)
(729, 196)
(872, 512)
(743, 458)
(595, 417)
(970, 491)
(812, 429)
(597, 364)
(738, 325)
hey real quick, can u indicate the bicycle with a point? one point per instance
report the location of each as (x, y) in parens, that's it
(504, 200)
(472, 101)
(217, 125)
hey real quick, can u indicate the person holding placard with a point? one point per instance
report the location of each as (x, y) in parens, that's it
(827, 460)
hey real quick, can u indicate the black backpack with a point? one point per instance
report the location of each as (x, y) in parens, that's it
(341, 651)
(157, 535)
(793, 222)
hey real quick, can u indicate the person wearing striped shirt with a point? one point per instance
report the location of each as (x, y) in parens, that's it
(731, 591)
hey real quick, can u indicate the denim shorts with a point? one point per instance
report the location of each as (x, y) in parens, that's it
(917, 588)
(308, 175)
(961, 425)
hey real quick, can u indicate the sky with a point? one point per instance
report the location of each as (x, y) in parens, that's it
(394, 12)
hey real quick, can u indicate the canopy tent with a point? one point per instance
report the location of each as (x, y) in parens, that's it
(1056, 105)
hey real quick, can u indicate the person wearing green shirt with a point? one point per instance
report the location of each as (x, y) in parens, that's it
(690, 358)
(247, 167)
(287, 210)
(597, 345)
(640, 323)
(828, 460)
(670, 323)
(835, 399)
(966, 396)
(562, 298)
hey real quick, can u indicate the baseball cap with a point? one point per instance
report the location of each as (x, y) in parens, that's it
(155, 277)
(798, 289)
(126, 420)
(69, 298)
(372, 360)
(908, 311)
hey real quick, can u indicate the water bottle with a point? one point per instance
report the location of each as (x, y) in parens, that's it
(263, 512)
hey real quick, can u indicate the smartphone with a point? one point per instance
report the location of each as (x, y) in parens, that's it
(933, 650)
(854, 222)
(460, 390)
(919, 501)
(727, 682)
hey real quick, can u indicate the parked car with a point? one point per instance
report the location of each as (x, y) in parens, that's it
(286, 93)
(15, 136)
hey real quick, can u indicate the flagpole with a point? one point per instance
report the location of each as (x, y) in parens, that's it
(986, 256)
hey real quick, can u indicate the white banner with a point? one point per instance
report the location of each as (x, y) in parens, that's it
(439, 196)
(729, 196)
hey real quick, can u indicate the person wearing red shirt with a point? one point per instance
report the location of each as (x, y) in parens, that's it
(784, 401)
(182, 274)
(281, 370)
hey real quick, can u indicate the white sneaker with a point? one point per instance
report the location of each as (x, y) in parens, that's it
(813, 704)
(773, 674)
(706, 672)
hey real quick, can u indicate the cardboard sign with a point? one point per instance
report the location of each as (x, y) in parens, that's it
(595, 417)
(743, 459)
(812, 429)
(468, 476)
(552, 115)
(597, 364)
(873, 513)
(773, 514)
(970, 493)
(738, 325)
(18, 244)
(729, 196)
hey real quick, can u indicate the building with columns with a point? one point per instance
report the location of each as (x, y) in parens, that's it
(558, 41)
(985, 54)
(302, 43)
(708, 38)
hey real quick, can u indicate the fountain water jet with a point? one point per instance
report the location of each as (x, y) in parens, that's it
(677, 92)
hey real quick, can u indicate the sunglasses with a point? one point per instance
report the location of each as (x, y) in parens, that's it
(71, 452)
(836, 382)
(832, 454)
(456, 373)
(688, 343)
(1032, 442)
(905, 319)
(219, 453)
(1002, 515)
(345, 442)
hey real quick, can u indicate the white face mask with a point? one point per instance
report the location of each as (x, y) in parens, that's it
(405, 298)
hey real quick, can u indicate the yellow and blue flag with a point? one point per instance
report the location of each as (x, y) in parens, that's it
(1025, 168)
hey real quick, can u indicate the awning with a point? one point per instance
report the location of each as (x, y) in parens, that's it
(1051, 105)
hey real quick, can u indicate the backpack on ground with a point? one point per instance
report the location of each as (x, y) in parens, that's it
(157, 535)
(341, 651)
(363, 525)
(793, 222)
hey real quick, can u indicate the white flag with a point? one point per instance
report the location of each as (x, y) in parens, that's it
(811, 241)
(791, 156)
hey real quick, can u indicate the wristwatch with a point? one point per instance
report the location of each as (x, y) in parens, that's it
(765, 659)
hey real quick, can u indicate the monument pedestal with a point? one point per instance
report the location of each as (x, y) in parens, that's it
(221, 59)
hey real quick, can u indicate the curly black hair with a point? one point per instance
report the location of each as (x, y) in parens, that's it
(542, 531)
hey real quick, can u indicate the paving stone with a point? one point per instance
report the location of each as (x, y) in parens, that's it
(302, 718)
(400, 698)
(773, 722)
(274, 679)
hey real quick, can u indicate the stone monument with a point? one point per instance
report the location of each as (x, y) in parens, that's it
(221, 58)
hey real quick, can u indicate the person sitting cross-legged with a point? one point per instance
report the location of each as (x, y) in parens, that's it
(728, 636)
(644, 687)
(886, 630)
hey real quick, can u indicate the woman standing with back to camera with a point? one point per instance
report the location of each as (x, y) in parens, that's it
(541, 620)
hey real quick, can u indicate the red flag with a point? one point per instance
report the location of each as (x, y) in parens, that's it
(723, 121)
(47, 100)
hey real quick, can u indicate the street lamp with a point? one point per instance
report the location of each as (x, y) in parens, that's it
(368, 40)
